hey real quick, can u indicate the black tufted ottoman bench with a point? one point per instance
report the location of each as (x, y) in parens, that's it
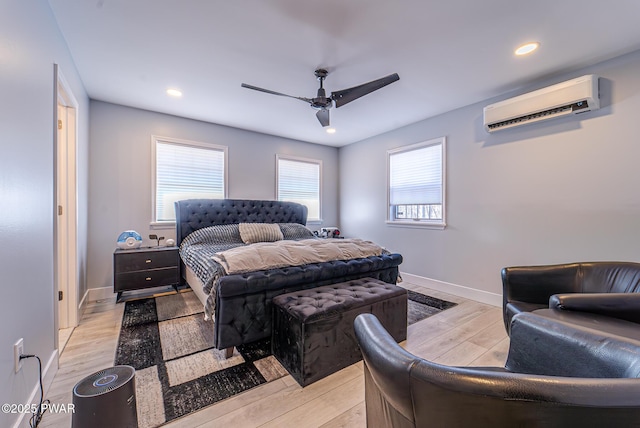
(312, 334)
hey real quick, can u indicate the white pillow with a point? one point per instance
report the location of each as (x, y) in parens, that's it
(260, 232)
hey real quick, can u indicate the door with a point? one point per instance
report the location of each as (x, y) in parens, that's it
(67, 277)
(62, 218)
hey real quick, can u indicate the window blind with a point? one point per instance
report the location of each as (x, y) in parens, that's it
(416, 176)
(299, 181)
(186, 172)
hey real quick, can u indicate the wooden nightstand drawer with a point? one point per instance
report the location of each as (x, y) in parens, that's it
(131, 262)
(147, 278)
(142, 268)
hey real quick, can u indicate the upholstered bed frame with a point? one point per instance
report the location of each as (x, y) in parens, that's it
(243, 301)
(194, 214)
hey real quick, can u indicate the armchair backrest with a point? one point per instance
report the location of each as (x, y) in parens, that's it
(388, 371)
(610, 277)
(403, 390)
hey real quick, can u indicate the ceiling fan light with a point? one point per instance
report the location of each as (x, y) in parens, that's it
(331, 130)
(174, 92)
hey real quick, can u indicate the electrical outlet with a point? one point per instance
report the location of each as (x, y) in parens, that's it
(18, 349)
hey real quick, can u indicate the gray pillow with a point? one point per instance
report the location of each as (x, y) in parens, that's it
(219, 234)
(295, 231)
(260, 232)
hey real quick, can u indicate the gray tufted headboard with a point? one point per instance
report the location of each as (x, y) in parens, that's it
(194, 214)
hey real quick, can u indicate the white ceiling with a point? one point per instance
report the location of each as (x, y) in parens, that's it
(448, 54)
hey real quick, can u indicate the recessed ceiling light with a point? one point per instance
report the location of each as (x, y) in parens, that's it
(331, 130)
(527, 48)
(174, 92)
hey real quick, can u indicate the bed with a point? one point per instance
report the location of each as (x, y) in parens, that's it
(240, 304)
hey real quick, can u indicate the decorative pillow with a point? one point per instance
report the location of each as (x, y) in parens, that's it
(295, 231)
(219, 234)
(260, 232)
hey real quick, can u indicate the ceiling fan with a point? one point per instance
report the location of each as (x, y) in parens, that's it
(322, 103)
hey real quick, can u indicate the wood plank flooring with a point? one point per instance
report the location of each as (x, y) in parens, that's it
(470, 333)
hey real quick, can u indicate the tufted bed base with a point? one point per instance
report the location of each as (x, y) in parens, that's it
(243, 304)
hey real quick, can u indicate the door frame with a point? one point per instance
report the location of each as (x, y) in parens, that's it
(66, 266)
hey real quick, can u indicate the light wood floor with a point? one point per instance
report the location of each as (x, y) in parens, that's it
(63, 337)
(471, 333)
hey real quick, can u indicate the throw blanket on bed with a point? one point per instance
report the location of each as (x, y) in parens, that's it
(271, 255)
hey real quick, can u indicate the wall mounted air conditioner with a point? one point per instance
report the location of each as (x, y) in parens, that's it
(571, 97)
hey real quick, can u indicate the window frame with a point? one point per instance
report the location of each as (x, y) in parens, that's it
(429, 224)
(155, 224)
(302, 160)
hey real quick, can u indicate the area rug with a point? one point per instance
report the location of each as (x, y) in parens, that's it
(168, 342)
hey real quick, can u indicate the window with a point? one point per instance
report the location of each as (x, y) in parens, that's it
(185, 170)
(298, 180)
(416, 184)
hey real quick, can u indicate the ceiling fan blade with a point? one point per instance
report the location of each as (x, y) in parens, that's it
(323, 117)
(255, 88)
(347, 95)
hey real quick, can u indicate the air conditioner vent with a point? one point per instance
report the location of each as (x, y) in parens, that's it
(571, 97)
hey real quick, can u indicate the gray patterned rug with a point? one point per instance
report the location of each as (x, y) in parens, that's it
(421, 306)
(168, 342)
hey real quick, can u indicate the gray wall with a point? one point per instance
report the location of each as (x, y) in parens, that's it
(553, 192)
(120, 178)
(31, 44)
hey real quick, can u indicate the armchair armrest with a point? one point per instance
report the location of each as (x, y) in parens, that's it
(625, 306)
(535, 284)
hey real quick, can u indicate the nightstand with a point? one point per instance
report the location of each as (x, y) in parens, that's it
(142, 268)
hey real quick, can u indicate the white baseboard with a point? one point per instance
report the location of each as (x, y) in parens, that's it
(48, 373)
(83, 304)
(457, 290)
(100, 293)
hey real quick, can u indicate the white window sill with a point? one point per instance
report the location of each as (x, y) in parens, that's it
(162, 225)
(416, 224)
(315, 221)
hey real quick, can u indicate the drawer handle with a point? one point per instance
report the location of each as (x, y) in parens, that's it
(148, 278)
(148, 261)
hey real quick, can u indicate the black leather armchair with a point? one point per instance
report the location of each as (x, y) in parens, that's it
(403, 390)
(529, 288)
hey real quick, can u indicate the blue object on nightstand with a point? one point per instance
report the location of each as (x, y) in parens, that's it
(129, 239)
